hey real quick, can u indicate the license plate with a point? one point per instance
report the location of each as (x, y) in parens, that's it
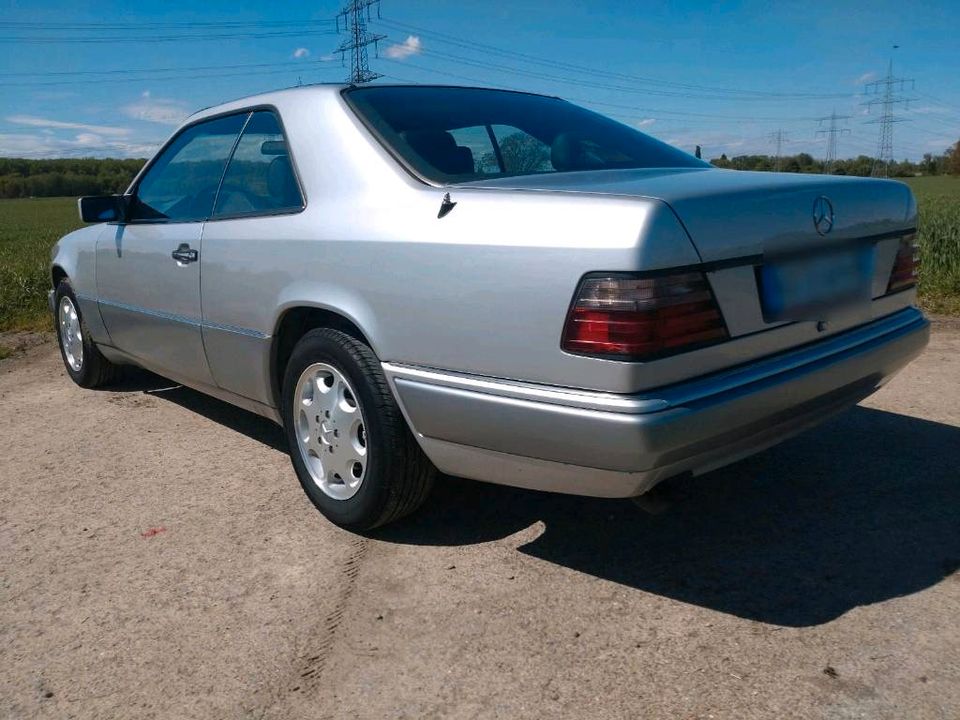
(816, 287)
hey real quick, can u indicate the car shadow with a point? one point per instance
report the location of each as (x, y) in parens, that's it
(857, 511)
(250, 424)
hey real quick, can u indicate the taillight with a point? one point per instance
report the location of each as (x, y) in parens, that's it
(636, 318)
(904, 274)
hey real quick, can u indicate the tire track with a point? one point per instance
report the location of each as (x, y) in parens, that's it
(312, 663)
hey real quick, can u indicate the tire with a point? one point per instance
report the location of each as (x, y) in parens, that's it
(84, 363)
(353, 453)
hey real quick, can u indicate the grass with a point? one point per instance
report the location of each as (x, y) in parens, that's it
(30, 227)
(938, 199)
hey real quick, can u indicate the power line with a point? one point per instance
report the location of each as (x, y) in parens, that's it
(513, 70)
(885, 92)
(143, 26)
(356, 14)
(180, 37)
(832, 133)
(707, 116)
(240, 72)
(101, 75)
(558, 64)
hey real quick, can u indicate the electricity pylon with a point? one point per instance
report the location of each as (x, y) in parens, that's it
(832, 133)
(887, 94)
(355, 15)
(778, 138)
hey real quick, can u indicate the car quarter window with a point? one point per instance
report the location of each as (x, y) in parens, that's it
(476, 139)
(521, 152)
(182, 183)
(260, 177)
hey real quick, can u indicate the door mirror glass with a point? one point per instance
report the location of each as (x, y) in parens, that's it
(101, 208)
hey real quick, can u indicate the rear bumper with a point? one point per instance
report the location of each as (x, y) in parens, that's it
(610, 445)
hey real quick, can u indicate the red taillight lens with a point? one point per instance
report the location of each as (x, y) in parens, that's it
(642, 318)
(904, 274)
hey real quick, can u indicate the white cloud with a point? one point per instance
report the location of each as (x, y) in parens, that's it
(865, 78)
(301, 53)
(84, 144)
(646, 122)
(47, 123)
(157, 110)
(89, 139)
(401, 51)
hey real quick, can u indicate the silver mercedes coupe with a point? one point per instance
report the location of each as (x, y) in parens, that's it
(489, 284)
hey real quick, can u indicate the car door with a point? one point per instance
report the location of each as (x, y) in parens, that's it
(256, 233)
(148, 269)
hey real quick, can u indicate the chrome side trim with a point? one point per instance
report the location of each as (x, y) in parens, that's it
(526, 391)
(235, 330)
(671, 396)
(193, 322)
(151, 313)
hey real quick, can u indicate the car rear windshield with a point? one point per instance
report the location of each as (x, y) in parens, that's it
(451, 134)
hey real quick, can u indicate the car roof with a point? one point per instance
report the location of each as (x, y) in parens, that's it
(271, 97)
(276, 97)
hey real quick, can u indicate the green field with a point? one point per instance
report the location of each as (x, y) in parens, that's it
(939, 201)
(28, 228)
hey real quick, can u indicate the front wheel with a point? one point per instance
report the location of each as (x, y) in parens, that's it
(84, 362)
(350, 446)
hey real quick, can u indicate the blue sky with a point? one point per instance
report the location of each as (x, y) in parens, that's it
(114, 78)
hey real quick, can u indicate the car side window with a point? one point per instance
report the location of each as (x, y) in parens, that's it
(260, 177)
(182, 183)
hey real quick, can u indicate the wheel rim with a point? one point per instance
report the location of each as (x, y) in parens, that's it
(331, 431)
(71, 336)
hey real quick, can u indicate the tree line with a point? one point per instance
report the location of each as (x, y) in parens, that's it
(947, 163)
(21, 178)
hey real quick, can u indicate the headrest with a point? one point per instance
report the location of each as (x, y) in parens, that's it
(439, 149)
(281, 184)
(568, 152)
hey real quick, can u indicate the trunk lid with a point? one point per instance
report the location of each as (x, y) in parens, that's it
(733, 214)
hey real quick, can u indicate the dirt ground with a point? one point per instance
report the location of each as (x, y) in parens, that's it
(160, 561)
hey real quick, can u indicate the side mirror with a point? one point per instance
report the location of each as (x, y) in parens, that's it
(102, 208)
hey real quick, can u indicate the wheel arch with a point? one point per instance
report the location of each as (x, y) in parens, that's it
(57, 273)
(292, 324)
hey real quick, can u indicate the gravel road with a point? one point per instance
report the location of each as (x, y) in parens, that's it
(160, 561)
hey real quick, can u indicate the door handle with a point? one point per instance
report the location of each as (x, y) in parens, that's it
(184, 254)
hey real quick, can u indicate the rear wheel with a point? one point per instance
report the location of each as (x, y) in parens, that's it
(350, 446)
(84, 362)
